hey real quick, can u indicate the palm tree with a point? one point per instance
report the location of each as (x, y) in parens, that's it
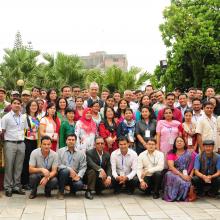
(18, 64)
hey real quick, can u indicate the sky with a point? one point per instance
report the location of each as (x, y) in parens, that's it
(128, 27)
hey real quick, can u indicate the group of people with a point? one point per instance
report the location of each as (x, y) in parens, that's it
(164, 144)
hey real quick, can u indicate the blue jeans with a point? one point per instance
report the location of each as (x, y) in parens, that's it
(65, 179)
(35, 181)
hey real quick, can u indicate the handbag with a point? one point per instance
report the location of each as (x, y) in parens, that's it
(192, 194)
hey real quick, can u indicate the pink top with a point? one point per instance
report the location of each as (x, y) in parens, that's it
(168, 133)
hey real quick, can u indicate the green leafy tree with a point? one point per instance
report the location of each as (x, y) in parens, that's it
(18, 64)
(191, 32)
(115, 78)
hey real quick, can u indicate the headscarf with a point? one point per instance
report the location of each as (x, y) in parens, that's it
(87, 124)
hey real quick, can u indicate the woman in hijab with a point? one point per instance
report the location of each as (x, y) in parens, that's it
(85, 131)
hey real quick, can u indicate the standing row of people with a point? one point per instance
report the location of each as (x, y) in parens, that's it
(136, 116)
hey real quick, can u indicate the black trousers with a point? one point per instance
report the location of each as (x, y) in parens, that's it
(199, 184)
(154, 182)
(30, 145)
(130, 185)
(93, 181)
(35, 181)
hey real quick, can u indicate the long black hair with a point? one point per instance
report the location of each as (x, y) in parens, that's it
(50, 105)
(48, 95)
(119, 111)
(105, 121)
(174, 145)
(28, 111)
(152, 116)
(58, 104)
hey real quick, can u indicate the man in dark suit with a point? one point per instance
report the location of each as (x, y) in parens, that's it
(98, 172)
(183, 106)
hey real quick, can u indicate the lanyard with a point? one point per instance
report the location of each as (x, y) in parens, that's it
(18, 123)
(46, 161)
(170, 130)
(122, 161)
(69, 158)
(153, 163)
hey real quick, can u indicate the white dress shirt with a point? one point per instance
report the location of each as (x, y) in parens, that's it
(126, 164)
(14, 126)
(207, 128)
(149, 163)
(196, 117)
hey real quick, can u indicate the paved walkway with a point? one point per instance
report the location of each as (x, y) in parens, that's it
(107, 207)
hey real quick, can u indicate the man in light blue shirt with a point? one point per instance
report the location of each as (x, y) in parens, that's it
(71, 167)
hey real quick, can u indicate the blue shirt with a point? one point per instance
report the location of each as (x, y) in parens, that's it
(197, 164)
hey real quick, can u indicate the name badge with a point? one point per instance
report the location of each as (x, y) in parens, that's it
(171, 140)
(185, 173)
(190, 141)
(130, 137)
(147, 133)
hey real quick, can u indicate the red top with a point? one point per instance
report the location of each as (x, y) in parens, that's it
(105, 133)
(177, 115)
(77, 116)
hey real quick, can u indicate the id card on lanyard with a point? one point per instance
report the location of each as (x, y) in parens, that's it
(171, 140)
(17, 121)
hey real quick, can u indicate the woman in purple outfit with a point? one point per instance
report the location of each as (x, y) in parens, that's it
(177, 180)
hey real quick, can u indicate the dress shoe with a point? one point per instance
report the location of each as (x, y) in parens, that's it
(60, 196)
(88, 195)
(99, 193)
(26, 187)
(18, 191)
(156, 195)
(47, 194)
(8, 193)
(116, 192)
(32, 195)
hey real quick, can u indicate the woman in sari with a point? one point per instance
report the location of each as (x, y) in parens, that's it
(85, 131)
(177, 180)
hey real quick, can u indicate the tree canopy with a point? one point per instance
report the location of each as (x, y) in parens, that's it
(54, 71)
(191, 32)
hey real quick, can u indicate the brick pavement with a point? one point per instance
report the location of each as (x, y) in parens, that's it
(107, 207)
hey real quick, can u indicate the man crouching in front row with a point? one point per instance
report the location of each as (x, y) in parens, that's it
(43, 168)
